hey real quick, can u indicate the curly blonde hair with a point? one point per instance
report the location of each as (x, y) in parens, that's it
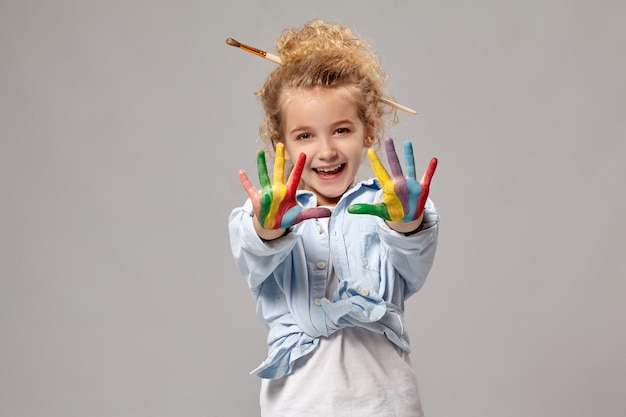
(331, 56)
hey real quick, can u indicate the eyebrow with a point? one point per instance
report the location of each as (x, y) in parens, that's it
(333, 125)
(343, 122)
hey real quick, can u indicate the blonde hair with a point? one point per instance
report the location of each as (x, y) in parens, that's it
(329, 56)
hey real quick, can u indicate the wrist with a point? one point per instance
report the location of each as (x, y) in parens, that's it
(266, 234)
(407, 228)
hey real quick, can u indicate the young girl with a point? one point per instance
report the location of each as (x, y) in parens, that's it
(330, 261)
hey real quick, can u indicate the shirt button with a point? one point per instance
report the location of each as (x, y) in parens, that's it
(317, 302)
(321, 265)
(365, 292)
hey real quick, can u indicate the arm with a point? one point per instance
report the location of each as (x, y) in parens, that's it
(256, 259)
(406, 210)
(256, 227)
(412, 257)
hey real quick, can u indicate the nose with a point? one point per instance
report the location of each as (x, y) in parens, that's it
(326, 149)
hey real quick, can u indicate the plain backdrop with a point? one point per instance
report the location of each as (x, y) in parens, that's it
(123, 125)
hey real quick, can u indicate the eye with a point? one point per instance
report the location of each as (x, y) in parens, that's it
(303, 136)
(342, 131)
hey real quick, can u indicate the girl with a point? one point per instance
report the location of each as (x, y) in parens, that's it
(330, 261)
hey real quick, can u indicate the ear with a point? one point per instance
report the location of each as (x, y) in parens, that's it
(370, 134)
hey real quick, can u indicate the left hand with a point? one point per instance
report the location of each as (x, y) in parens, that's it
(403, 197)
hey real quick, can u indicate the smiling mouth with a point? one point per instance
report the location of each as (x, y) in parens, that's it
(329, 171)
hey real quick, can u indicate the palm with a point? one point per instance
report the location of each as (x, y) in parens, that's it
(275, 203)
(404, 197)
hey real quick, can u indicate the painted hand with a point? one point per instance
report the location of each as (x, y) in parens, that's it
(275, 204)
(403, 197)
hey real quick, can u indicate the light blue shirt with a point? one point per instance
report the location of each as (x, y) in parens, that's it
(377, 267)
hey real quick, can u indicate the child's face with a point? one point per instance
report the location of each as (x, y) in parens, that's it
(324, 124)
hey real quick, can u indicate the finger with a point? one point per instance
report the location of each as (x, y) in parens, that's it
(377, 167)
(379, 210)
(415, 190)
(392, 158)
(399, 182)
(430, 171)
(393, 202)
(279, 164)
(393, 206)
(294, 177)
(252, 192)
(278, 189)
(428, 175)
(265, 203)
(409, 160)
(288, 202)
(264, 179)
(311, 213)
(247, 185)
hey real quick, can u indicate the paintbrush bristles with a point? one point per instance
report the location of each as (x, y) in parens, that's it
(232, 42)
(277, 60)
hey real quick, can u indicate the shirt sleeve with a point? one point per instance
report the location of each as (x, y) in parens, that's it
(412, 256)
(255, 258)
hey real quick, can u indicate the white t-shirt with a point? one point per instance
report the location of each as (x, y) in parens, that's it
(353, 372)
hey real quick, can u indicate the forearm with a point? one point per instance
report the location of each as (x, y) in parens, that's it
(256, 259)
(412, 254)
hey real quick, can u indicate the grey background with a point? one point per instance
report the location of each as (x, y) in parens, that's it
(123, 124)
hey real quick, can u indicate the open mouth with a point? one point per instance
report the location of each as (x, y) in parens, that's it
(327, 172)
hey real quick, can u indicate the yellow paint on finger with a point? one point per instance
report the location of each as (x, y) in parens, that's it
(378, 168)
(390, 198)
(394, 205)
(279, 163)
(279, 190)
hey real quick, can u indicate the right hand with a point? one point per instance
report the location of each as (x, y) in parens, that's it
(275, 204)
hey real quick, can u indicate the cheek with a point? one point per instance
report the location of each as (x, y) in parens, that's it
(292, 160)
(292, 155)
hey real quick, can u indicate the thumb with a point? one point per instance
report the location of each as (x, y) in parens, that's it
(379, 210)
(312, 213)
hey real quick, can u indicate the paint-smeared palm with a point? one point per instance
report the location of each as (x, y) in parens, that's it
(275, 204)
(403, 197)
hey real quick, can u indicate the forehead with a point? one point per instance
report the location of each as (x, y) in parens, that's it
(299, 101)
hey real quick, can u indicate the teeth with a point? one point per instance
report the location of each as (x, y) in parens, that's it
(329, 169)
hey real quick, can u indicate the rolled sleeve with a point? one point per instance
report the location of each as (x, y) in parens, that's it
(250, 250)
(412, 256)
